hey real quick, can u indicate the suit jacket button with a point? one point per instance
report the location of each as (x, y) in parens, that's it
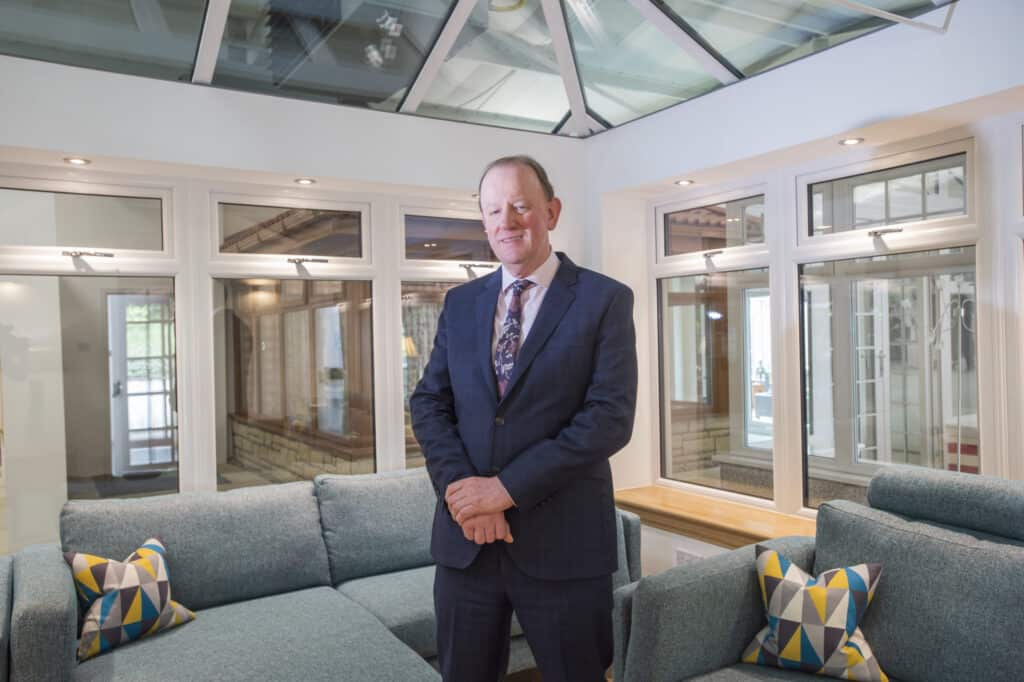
(499, 421)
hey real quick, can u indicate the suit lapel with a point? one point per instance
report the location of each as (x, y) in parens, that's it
(557, 300)
(486, 303)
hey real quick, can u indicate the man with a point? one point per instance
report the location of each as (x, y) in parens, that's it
(530, 388)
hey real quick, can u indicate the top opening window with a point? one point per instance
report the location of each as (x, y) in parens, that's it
(443, 238)
(38, 218)
(912, 193)
(716, 226)
(293, 231)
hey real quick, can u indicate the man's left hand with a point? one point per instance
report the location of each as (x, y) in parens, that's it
(476, 495)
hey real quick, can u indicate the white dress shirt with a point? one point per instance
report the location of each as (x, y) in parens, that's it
(531, 298)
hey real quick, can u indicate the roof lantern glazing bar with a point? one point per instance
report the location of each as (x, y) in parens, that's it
(214, 21)
(899, 18)
(713, 63)
(555, 18)
(442, 46)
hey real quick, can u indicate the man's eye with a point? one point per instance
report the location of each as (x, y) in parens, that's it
(522, 208)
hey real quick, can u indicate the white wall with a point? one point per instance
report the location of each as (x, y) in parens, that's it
(95, 114)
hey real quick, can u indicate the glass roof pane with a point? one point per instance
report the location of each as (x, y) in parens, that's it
(357, 53)
(628, 66)
(155, 38)
(501, 71)
(908, 8)
(755, 35)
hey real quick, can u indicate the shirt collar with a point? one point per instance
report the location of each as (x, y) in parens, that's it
(541, 277)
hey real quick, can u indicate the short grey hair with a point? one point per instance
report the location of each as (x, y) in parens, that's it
(526, 162)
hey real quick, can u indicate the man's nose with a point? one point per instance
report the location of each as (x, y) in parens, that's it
(508, 218)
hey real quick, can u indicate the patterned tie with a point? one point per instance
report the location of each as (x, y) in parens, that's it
(511, 331)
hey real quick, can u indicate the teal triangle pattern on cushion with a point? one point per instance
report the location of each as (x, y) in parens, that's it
(124, 600)
(813, 623)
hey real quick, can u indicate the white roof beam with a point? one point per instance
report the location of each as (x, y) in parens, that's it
(209, 40)
(578, 121)
(708, 61)
(435, 60)
(898, 18)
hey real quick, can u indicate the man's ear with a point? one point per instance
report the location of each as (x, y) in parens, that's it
(554, 210)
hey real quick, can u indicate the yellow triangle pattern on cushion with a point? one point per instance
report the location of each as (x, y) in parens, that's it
(813, 623)
(124, 600)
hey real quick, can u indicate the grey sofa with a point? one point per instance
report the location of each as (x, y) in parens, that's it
(329, 579)
(950, 598)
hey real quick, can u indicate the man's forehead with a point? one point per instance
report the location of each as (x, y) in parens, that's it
(526, 180)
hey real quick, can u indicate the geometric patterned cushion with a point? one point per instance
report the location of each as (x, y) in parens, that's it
(124, 600)
(813, 622)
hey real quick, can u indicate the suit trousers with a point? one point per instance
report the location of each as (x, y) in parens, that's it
(567, 623)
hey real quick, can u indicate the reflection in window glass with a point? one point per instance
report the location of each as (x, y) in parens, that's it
(434, 238)
(716, 381)
(421, 306)
(732, 223)
(33, 218)
(88, 380)
(920, 191)
(292, 231)
(890, 373)
(295, 386)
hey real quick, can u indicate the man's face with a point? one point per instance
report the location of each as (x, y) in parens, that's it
(517, 217)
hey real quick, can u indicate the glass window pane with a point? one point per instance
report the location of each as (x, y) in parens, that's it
(363, 54)
(292, 231)
(434, 238)
(157, 39)
(732, 223)
(890, 374)
(716, 381)
(295, 381)
(421, 306)
(90, 405)
(501, 71)
(628, 66)
(754, 37)
(34, 218)
(915, 192)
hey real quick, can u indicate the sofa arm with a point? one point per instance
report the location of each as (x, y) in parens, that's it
(6, 563)
(697, 617)
(622, 615)
(631, 530)
(44, 616)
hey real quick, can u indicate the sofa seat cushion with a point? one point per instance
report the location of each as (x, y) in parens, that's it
(404, 602)
(743, 672)
(313, 634)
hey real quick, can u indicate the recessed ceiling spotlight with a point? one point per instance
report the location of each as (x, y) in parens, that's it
(77, 161)
(684, 183)
(850, 141)
(305, 181)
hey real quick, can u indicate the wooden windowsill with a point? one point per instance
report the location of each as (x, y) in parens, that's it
(720, 522)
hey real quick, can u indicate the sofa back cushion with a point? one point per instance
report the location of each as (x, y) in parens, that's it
(991, 505)
(221, 547)
(949, 601)
(376, 523)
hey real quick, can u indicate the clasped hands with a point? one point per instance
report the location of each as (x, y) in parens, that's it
(478, 505)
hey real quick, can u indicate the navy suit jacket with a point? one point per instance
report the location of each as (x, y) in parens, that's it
(568, 407)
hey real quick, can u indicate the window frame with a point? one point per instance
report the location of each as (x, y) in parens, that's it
(716, 196)
(881, 164)
(276, 198)
(454, 210)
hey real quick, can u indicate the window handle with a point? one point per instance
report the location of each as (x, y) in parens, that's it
(468, 267)
(79, 254)
(875, 234)
(711, 254)
(299, 261)
(117, 390)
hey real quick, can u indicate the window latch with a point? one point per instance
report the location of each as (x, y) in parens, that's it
(300, 261)
(708, 255)
(875, 234)
(79, 254)
(468, 267)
